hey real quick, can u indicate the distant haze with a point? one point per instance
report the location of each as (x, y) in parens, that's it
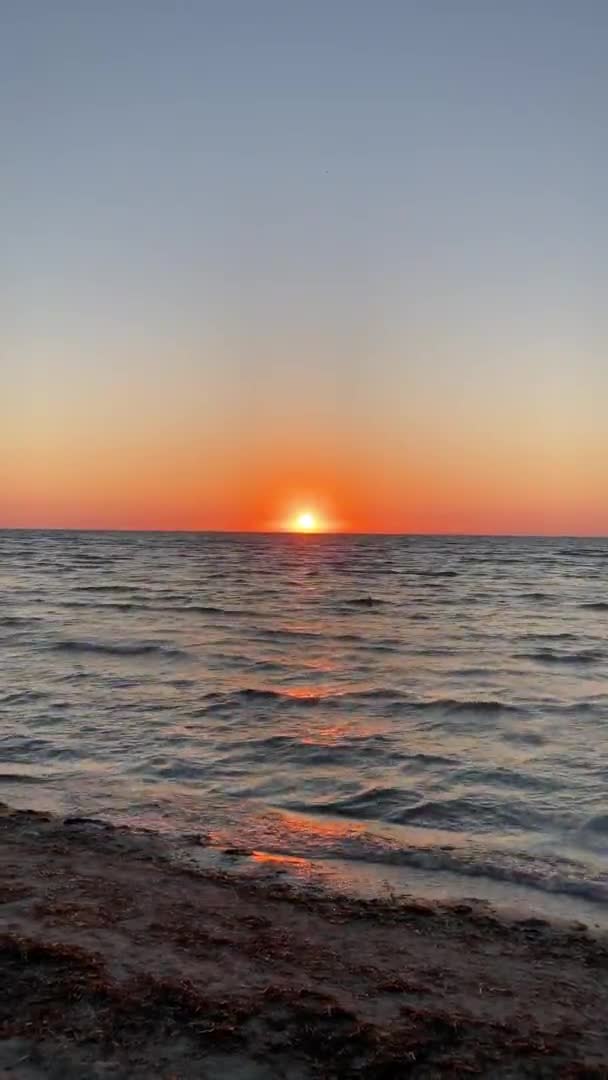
(261, 255)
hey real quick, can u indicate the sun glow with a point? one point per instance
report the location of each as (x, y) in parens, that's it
(305, 521)
(313, 514)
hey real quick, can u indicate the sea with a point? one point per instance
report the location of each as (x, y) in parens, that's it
(421, 714)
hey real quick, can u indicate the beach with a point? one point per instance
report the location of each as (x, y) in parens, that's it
(121, 957)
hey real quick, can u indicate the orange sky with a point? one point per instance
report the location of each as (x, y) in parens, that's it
(413, 480)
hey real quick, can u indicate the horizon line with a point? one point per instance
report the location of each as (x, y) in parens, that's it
(295, 532)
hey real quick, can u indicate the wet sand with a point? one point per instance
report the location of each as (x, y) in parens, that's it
(115, 961)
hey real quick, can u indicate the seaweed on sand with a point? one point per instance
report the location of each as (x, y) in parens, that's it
(60, 993)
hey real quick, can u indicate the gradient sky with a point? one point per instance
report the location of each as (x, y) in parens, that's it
(257, 254)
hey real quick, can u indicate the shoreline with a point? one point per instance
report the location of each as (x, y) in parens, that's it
(119, 960)
(414, 869)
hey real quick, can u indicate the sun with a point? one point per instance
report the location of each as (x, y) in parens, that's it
(305, 521)
(305, 517)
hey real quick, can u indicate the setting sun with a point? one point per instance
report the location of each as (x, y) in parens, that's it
(306, 521)
(299, 515)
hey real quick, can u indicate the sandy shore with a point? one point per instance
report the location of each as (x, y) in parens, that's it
(115, 962)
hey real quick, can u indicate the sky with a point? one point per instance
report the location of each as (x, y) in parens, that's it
(263, 255)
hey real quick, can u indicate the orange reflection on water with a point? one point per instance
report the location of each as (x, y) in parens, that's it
(266, 858)
(335, 733)
(323, 829)
(319, 665)
(303, 693)
(325, 735)
(307, 693)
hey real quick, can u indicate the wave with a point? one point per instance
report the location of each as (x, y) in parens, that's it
(105, 588)
(306, 696)
(596, 824)
(480, 776)
(369, 644)
(21, 778)
(372, 803)
(555, 875)
(402, 806)
(18, 620)
(88, 560)
(435, 573)
(458, 811)
(584, 553)
(136, 648)
(550, 656)
(365, 602)
(379, 693)
(274, 633)
(209, 609)
(294, 697)
(381, 647)
(543, 877)
(105, 605)
(526, 738)
(21, 697)
(253, 694)
(473, 705)
(449, 706)
(556, 636)
(595, 605)
(300, 752)
(151, 606)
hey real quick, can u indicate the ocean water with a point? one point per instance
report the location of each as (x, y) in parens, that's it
(392, 705)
